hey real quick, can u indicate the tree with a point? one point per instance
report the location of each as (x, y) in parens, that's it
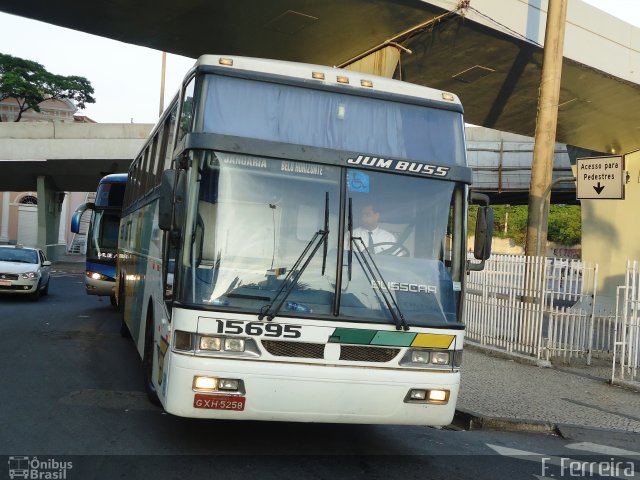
(510, 221)
(31, 84)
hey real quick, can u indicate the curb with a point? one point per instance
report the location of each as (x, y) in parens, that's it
(468, 420)
(516, 357)
(628, 384)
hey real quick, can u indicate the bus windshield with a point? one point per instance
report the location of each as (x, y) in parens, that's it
(104, 235)
(254, 217)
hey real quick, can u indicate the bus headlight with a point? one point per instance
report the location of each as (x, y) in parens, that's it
(99, 276)
(215, 384)
(457, 358)
(440, 358)
(210, 343)
(228, 384)
(183, 341)
(420, 356)
(420, 395)
(425, 358)
(205, 384)
(234, 344)
(438, 396)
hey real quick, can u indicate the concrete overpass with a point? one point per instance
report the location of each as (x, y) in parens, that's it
(490, 53)
(73, 157)
(52, 158)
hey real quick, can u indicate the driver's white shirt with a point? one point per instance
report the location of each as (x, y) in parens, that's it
(378, 235)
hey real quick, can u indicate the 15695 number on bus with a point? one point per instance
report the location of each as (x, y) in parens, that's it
(258, 329)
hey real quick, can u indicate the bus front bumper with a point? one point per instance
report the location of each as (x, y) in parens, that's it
(106, 288)
(312, 393)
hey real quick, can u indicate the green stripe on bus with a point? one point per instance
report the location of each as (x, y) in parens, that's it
(393, 339)
(352, 335)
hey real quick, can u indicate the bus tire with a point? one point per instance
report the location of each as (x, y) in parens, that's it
(124, 330)
(147, 362)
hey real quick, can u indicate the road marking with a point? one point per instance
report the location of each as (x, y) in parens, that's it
(602, 449)
(566, 463)
(64, 274)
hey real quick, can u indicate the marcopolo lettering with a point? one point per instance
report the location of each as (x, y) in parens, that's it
(400, 165)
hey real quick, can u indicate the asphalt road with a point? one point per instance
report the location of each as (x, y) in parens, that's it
(71, 391)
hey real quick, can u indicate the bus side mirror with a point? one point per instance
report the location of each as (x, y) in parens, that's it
(172, 200)
(483, 233)
(77, 216)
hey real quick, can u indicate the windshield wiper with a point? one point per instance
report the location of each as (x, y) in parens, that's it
(291, 280)
(368, 264)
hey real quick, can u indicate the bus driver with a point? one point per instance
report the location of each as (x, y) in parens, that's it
(375, 238)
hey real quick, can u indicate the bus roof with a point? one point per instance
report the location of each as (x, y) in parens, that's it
(329, 76)
(114, 178)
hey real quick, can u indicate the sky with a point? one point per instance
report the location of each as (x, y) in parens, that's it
(126, 78)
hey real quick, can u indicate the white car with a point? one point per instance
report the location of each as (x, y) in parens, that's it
(24, 271)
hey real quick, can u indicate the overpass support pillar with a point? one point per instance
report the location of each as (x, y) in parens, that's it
(49, 208)
(4, 218)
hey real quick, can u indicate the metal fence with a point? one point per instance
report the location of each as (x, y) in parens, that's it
(626, 349)
(538, 306)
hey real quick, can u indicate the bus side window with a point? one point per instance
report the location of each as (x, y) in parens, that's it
(168, 137)
(205, 238)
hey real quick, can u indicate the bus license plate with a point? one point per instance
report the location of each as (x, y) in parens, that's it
(219, 402)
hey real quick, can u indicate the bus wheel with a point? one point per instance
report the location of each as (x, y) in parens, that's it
(147, 362)
(124, 330)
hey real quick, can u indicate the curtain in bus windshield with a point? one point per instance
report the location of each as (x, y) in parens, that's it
(331, 120)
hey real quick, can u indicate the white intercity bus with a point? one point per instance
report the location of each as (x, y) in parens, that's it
(243, 275)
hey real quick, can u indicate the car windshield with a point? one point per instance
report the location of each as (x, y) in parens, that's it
(258, 228)
(18, 255)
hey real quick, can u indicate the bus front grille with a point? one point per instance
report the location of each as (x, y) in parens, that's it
(294, 349)
(352, 353)
(357, 353)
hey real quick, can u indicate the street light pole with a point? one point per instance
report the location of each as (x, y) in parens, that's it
(162, 75)
(547, 120)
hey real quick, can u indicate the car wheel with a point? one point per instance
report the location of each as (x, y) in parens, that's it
(35, 295)
(46, 288)
(113, 301)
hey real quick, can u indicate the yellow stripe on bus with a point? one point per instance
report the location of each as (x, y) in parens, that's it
(433, 340)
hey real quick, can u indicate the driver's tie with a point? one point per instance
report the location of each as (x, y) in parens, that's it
(370, 244)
